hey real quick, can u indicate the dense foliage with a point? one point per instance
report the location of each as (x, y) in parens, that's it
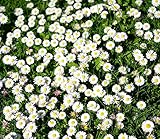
(80, 69)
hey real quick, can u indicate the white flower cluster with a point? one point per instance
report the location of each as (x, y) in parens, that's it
(151, 55)
(142, 31)
(63, 76)
(134, 12)
(153, 12)
(3, 17)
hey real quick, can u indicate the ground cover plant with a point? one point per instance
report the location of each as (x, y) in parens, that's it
(80, 69)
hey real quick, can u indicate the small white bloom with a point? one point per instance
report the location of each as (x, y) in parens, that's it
(85, 117)
(53, 134)
(102, 114)
(20, 124)
(141, 105)
(139, 80)
(147, 126)
(110, 45)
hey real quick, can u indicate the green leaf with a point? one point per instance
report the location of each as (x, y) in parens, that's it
(72, 64)
(98, 63)
(119, 2)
